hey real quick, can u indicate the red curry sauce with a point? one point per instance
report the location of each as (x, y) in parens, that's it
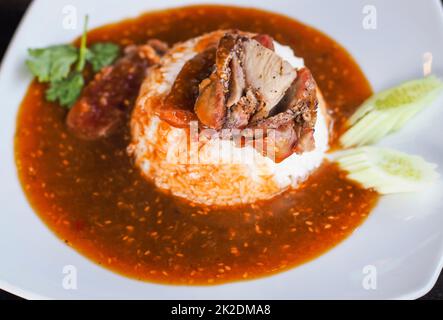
(91, 195)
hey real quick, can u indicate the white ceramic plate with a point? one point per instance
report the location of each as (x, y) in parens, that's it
(402, 239)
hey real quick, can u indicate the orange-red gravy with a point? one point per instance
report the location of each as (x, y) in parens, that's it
(91, 195)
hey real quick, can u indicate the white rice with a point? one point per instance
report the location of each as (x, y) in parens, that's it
(220, 173)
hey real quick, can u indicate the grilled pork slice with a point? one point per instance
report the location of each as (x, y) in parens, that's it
(107, 100)
(239, 82)
(244, 67)
(240, 114)
(210, 106)
(252, 87)
(267, 73)
(298, 110)
(178, 107)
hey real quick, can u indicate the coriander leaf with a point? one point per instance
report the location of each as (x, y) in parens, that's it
(102, 55)
(83, 51)
(66, 91)
(52, 63)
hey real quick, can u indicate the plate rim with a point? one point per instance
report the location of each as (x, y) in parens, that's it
(27, 294)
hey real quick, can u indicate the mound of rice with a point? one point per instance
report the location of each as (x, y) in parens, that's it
(211, 171)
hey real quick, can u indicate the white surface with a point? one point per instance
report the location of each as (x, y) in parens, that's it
(402, 238)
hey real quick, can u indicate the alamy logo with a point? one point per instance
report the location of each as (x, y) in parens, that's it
(370, 17)
(369, 281)
(70, 17)
(427, 63)
(70, 279)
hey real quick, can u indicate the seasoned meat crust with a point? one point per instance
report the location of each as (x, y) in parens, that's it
(107, 100)
(252, 87)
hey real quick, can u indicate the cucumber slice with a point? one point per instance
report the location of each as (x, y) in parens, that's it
(387, 171)
(388, 111)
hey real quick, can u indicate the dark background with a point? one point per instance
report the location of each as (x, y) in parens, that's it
(11, 12)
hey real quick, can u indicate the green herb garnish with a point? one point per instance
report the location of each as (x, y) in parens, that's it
(83, 47)
(53, 63)
(66, 91)
(62, 66)
(101, 55)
